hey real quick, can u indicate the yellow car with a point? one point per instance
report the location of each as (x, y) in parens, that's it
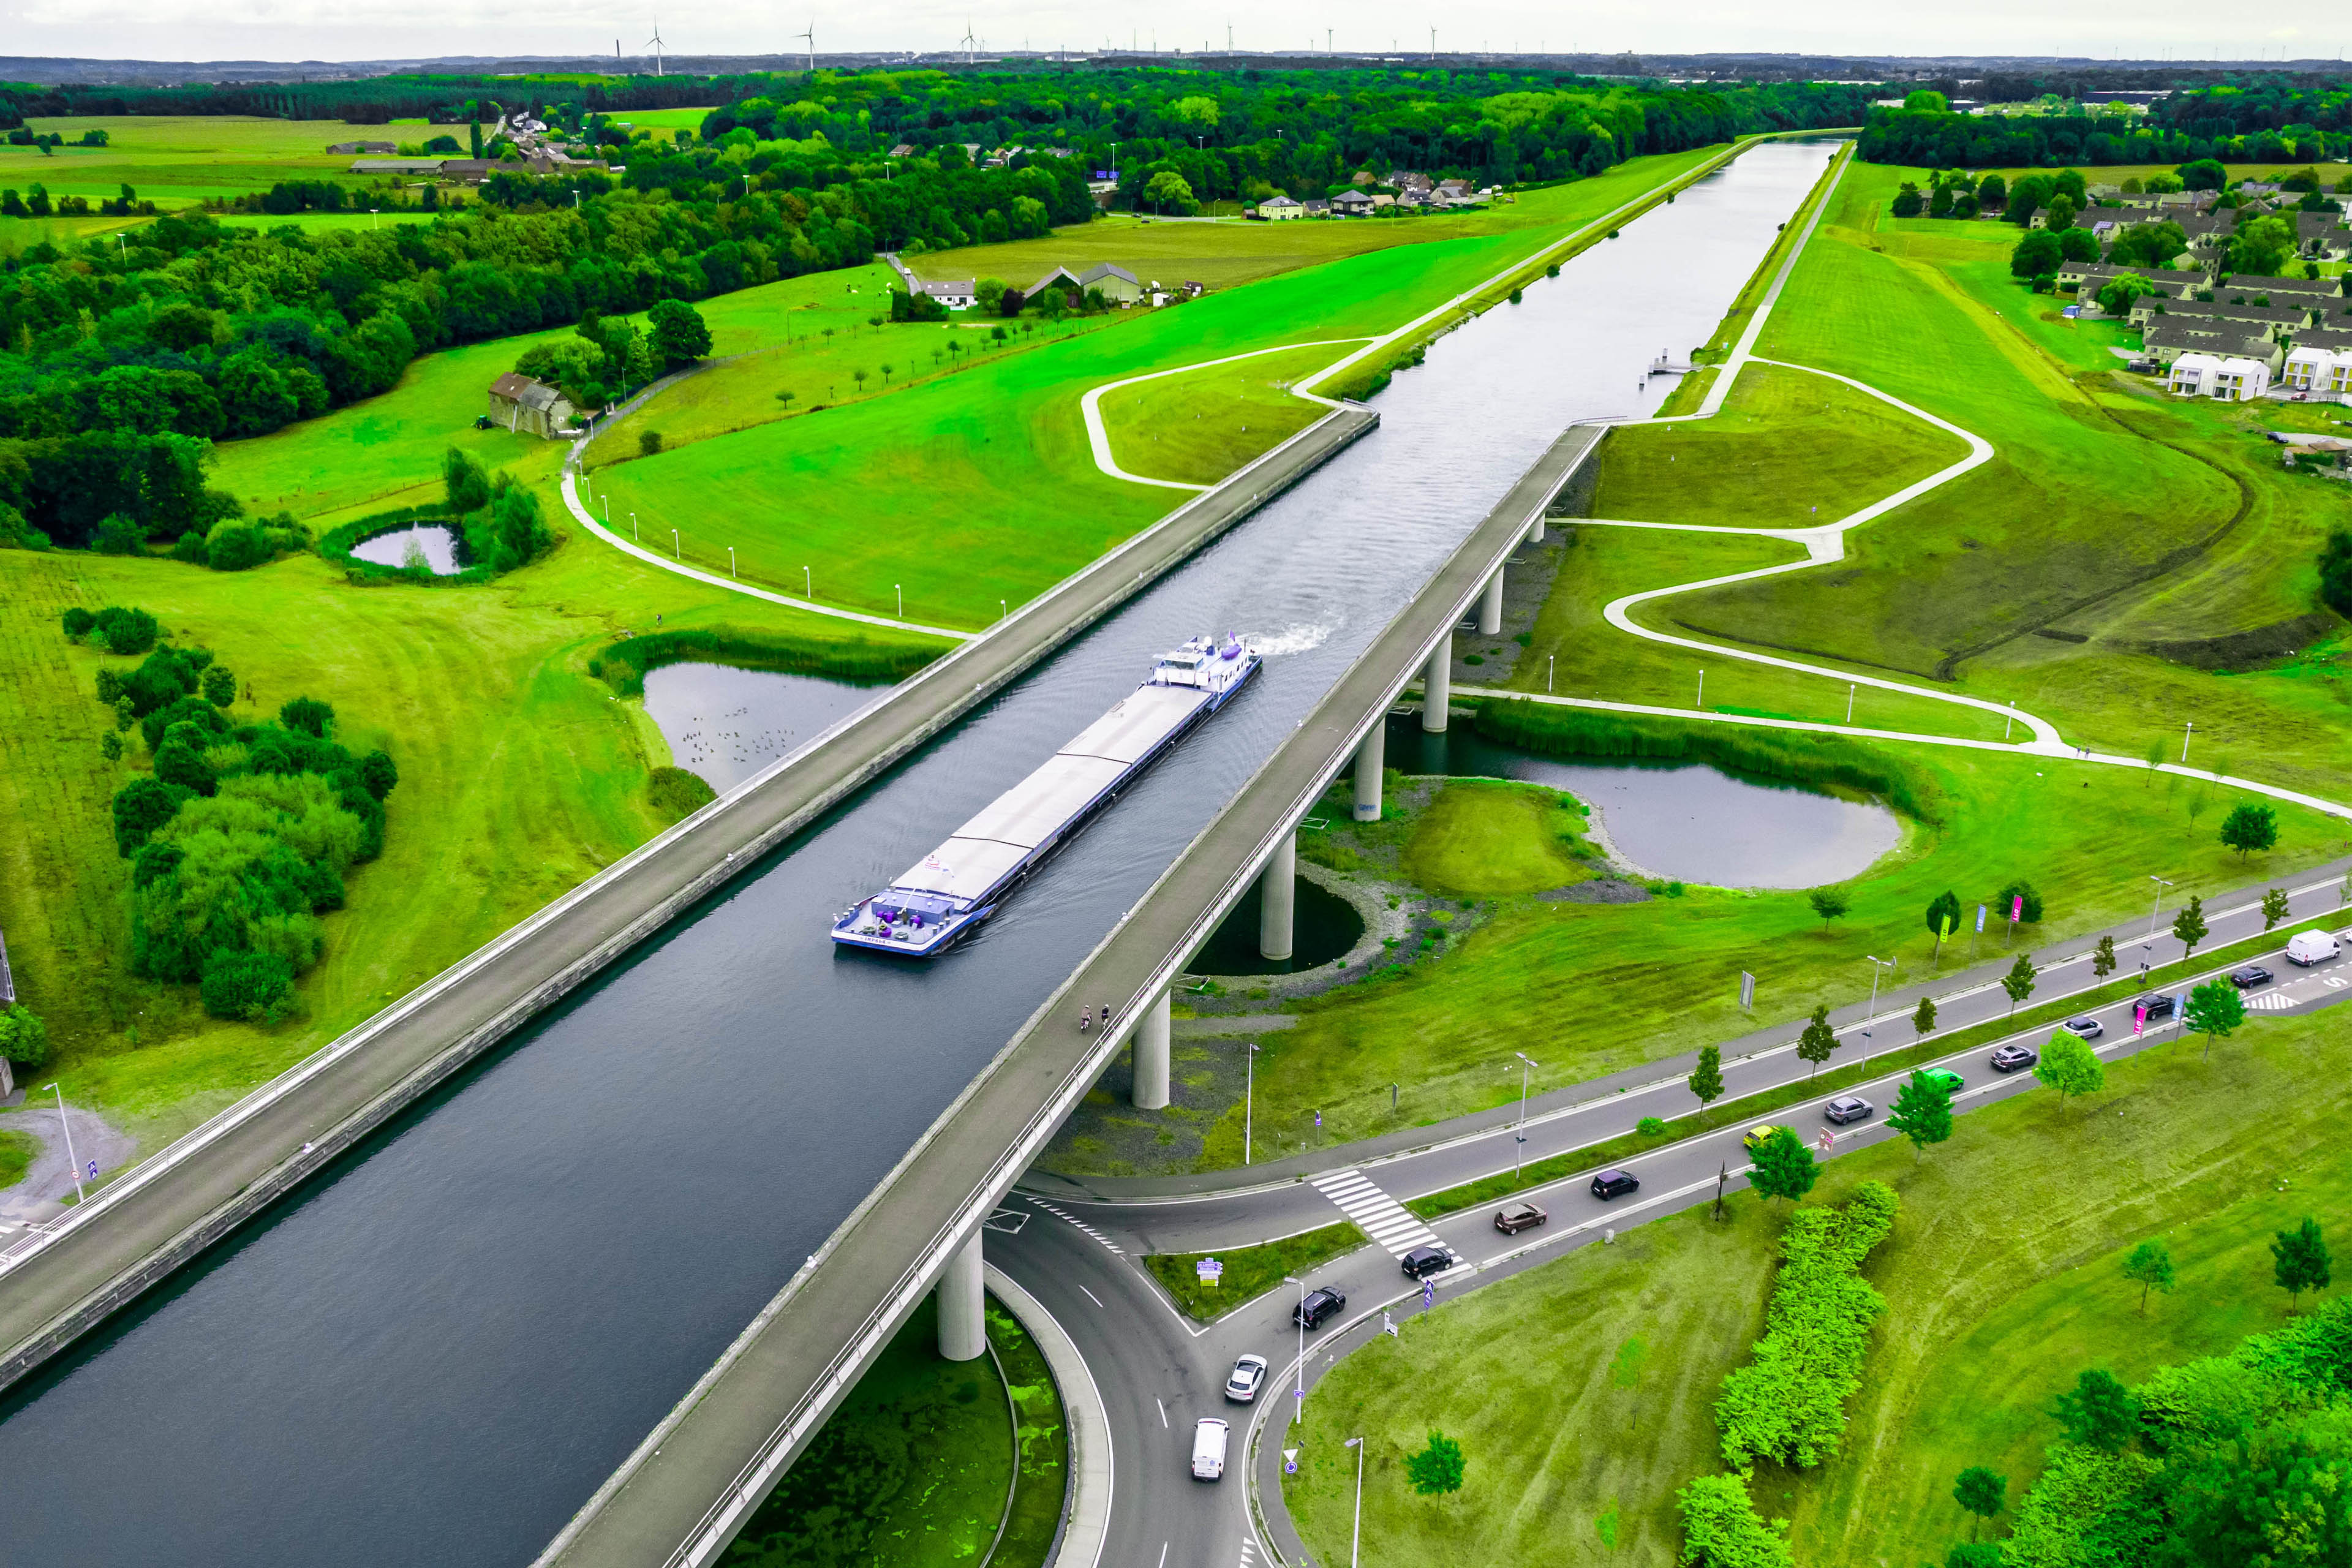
(1757, 1135)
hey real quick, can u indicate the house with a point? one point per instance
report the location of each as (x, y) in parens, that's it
(522, 404)
(2321, 237)
(2167, 341)
(475, 170)
(2093, 276)
(1277, 208)
(2271, 321)
(2337, 340)
(345, 149)
(2313, 369)
(1116, 283)
(1194, 291)
(2192, 375)
(955, 293)
(2320, 295)
(1314, 206)
(903, 149)
(1352, 203)
(1061, 278)
(2231, 380)
(397, 165)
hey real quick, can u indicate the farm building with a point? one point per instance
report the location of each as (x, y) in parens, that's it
(522, 404)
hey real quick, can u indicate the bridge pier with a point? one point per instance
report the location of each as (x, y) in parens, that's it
(1535, 530)
(1437, 687)
(1490, 606)
(1150, 1092)
(963, 1306)
(1277, 889)
(1371, 757)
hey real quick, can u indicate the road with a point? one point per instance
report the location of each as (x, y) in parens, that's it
(1160, 1372)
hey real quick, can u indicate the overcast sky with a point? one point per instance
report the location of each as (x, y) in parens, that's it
(315, 29)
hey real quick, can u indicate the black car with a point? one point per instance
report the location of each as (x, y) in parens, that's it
(2157, 1006)
(1613, 1184)
(2011, 1059)
(1319, 1307)
(2252, 976)
(1426, 1260)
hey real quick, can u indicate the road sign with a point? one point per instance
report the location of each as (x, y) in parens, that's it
(1388, 1325)
(1290, 1461)
(1428, 1294)
(1209, 1270)
(93, 1169)
(1747, 992)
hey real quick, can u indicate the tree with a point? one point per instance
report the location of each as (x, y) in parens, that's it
(2069, 1066)
(1706, 1079)
(308, 715)
(1908, 201)
(1437, 1468)
(1818, 1040)
(2098, 1412)
(1783, 1166)
(1625, 1372)
(678, 333)
(1830, 903)
(1923, 1018)
(2149, 1267)
(1982, 1492)
(23, 1038)
(2103, 958)
(466, 486)
(2335, 571)
(2215, 1009)
(2262, 246)
(220, 685)
(2037, 254)
(2274, 907)
(2019, 981)
(2115, 298)
(2249, 826)
(2300, 1260)
(2018, 894)
(1943, 916)
(1923, 1113)
(1992, 191)
(2189, 926)
(2204, 175)
(1169, 189)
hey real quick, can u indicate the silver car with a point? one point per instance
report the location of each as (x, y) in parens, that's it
(1249, 1377)
(1847, 1107)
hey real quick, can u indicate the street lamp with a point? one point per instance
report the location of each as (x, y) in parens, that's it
(1519, 1134)
(1550, 659)
(634, 532)
(2154, 909)
(1249, 1099)
(1356, 1534)
(1876, 965)
(731, 560)
(901, 590)
(72, 1158)
(676, 548)
(2185, 734)
(1298, 1396)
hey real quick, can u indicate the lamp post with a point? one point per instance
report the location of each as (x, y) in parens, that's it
(1702, 690)
(2186, 732)
(1550, 659)
(808, 584)
(635, 532)
(2154, 908)
(1249, 1099)
(1355, 1532)
(1876, 964)
(1298, 1396)
(731, 560)
(677, 547)
(901, 590)
(72, 1158)
(1519, 1134)
(1849, 703)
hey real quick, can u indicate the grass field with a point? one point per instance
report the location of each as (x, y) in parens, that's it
(174, 160)
(1445, 1028)
(1995, 1305)
(1250, 1271)
(1193, 427)
(1485, 837)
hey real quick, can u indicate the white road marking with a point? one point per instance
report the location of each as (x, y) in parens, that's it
(1163, 1408)
(2274, 1002)
(1065, 1214)
(1376, 1214)
(1092, 1297)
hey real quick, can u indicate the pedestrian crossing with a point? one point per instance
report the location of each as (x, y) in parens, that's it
(1065, 1214)
(1376, 1214)
(2271, 1002)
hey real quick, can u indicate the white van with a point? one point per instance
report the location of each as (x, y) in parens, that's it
(2311, 947)
(1209, 1449)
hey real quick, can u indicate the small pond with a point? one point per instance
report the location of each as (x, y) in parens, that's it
(1684, 821)
(1323, 927)
(429, 545)
(726, 724)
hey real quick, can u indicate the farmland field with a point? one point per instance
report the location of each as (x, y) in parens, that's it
(174, 160)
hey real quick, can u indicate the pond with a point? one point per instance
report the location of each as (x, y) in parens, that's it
(1324, 926)
(726, 724)
(1683, 822)
(429, 545)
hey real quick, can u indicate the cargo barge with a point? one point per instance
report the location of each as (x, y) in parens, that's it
(962, 882)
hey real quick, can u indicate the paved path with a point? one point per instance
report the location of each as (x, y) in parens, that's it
(48, 1179)
(1098, 438)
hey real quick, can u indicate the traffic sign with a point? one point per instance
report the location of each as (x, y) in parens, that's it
(1209, 1270)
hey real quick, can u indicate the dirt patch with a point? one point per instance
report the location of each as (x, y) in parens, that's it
(2249, 650)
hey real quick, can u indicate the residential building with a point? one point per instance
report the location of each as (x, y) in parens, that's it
(2335, 340)
(2168, 339)
(1277, 208)
(955, 293)
(2241, 380)
(2318, 371)
(397, 165)
(1314, 206)
(2321, 237)
(2274, 320)
(344, 149)
(903, 149)
(1352, 203)
(1061, 278)
(1116, 283)
(2192, 375)
(524, 406)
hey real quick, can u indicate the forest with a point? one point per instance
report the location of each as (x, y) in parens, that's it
(2267, 120)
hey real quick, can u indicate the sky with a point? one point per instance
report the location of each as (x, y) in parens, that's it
(319, 29)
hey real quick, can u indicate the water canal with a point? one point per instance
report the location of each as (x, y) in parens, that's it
(440, 1349)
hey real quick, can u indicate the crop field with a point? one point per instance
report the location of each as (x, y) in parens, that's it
(1994, 1307)
(172, 160)
(2077, 832)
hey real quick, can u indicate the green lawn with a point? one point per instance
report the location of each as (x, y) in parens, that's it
(1445, 1028)
(1250, 1271)
(1996, 1304)
(174, 159)
(1195, 427)
(1486, 836)
(16, 1152)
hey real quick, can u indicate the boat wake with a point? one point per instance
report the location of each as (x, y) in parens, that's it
(1290, 639)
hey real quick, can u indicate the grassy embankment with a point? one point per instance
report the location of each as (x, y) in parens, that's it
(1583, 980)
(1188, 427)
(1494, 836)
(2109, 520)
(984, 479)
(1250, 1271)
(1995, 1303)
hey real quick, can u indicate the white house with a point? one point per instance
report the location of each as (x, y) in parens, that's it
(1275, 209)
(955, 293)
(2193, 373)
(2241, 380)
(2318, 371)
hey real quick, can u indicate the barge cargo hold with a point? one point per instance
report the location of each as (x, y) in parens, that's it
(965, 879)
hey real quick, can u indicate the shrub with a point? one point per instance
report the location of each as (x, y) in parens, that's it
(235, 547)
(119, 533)
(377, 774)
(1788, 1403)
(251, 985)
(142, 806)
(307, 716)
(126, 632)
(219, 687)
(195, 711)
(192, 549)
(2011, 891)
(464, 482)
(23, 1038)
(675, 792)
(16, 533)
(649, 443)
(1722, 1530)
(77, 621)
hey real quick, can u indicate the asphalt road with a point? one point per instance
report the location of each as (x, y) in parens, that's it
(1160, 1372)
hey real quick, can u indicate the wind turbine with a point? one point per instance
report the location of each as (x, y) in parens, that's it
(967, 42)
(656, 42)
(810, 36)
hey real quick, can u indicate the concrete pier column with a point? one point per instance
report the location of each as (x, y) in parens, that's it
(1490, 606)
(1152, 1056)
(1371, 757)
(1535, 530)
(1437, 687)
(963, 1308)
(1277, 889)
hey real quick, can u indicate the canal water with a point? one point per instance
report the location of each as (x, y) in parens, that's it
(726, 724)
(443, 1345)
(1682, 822)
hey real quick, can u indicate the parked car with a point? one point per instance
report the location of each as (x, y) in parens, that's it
(1945, 1079)
(1209, 1449)
(2010, 1058)
(2309, 947)
(1249, 1377)
(1754, 1136)
(2248, 976)
(1847, 1107)
(2084, 1027)
(1423, 1261)
(1320, 1305)
(1614, 1184)
(1519, 1217)
(2156, 1006)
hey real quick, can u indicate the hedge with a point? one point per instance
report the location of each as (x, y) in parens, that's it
(1801, 757)
(336, 545)
(622, 665)
(1721, 1528)
(1788, 1403)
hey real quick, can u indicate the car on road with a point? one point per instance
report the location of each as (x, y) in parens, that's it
(1318, 1306)
(2309, 947)
(1945, 1079)
(1847, 1107)
(1614, 1184)
(1755, 1137)
(2010, 1058)
(1249, 1377)
(2157, 1007)
(1519, 1217)
(2084, 1028)
(2248, 976)
(1424, 1262)
(1209, 1449)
